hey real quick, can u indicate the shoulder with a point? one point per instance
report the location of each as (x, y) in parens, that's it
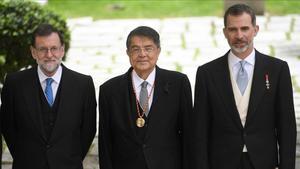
(171, 75)
(115, 81)
(218, 64)
(20, 75)
(266, 58)
(76, 78)
(269, 60)
(74, 75)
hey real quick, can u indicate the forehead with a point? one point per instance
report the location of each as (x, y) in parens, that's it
(141, 41)
(52, 39)
(239, 20)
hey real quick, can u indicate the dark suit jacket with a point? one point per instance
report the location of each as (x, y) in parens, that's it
(270, 129)
(164, 142)
(22, 123)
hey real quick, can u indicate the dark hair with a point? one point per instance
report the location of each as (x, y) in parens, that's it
(144, 31)
(45, 30)
(239, 9)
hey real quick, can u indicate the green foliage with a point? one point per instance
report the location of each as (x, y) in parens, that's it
(17, 22)
(108, 9)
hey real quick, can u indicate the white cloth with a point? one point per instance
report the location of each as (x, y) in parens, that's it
(56, 77)
(241, 101)
(138, 84)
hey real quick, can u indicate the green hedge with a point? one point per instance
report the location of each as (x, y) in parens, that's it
(18, 20)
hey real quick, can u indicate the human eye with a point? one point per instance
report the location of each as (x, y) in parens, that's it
(54, 49)
(42, 50)
(246, 28)
(149, 49)
(135, 50)
(231, 29)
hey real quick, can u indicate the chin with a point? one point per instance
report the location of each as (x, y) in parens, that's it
(50, 68)
(240, 50)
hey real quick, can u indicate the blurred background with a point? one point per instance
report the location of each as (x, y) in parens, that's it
(190, 30)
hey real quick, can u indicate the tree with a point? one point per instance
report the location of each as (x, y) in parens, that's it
(17, 22)
(257, 5)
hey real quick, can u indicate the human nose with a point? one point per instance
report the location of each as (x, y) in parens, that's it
(239, 34)
(143, 52)
(48, 53)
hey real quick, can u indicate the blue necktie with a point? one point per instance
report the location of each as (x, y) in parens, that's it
(242, 77)
(48, 91)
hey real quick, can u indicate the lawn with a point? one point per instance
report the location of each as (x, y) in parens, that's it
(110, 9)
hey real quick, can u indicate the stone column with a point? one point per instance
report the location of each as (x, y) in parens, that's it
(257, 5)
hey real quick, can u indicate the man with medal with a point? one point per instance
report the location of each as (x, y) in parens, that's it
(144, 113)
(243, 114)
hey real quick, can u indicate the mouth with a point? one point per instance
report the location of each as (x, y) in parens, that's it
(240, 44)
(50, 61)
(142, 61)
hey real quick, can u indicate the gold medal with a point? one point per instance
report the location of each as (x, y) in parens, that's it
(140, 122)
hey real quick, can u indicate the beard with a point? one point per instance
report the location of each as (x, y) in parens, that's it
(241, 49)
(49, 67)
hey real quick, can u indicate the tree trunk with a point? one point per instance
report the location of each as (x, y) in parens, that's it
(257, 5)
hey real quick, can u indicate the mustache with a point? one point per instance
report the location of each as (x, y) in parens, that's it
(240, 41)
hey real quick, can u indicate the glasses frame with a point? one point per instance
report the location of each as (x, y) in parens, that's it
(146, 50)
(53, 50)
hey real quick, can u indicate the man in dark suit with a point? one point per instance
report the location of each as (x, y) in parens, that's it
(144, 112)
(243, 114)
(48, 111)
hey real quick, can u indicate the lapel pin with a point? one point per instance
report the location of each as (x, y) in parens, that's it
(267, 81)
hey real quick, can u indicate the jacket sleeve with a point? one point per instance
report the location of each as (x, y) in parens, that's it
(186, 111)
(200, 123)
(286, 123)
(104, 142)
(7, 114)
(88, 126)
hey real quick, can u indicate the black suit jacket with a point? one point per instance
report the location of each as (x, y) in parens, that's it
(22, 123)
(270, 129)
(164, 142)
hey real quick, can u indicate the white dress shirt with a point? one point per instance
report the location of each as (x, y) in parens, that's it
(138, 85)
(56, 77)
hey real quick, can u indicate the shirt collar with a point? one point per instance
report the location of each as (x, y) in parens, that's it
(138, 81)
(56, 77)
(233, 59)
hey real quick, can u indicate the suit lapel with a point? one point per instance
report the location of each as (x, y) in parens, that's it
(62, 111)
(160, 89)
(124, 90)
(160, 82)
(32, 98)
(222, 81)
(258, 85)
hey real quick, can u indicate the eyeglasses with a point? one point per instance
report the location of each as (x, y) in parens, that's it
(137, 50)
(43, 50)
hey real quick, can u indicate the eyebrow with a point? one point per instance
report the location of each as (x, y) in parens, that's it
(136, 46)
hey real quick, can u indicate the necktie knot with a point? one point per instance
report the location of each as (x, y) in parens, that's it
(48, 91)
(242, 65)
(242, 77)
(144, 84)
(49, 81)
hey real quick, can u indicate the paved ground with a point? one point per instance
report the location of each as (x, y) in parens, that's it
(98, 49)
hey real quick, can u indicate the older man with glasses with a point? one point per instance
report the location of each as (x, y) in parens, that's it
(48, 111)
(144, 112)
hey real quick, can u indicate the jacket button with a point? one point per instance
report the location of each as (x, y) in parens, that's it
(48, 146)
(144, 146)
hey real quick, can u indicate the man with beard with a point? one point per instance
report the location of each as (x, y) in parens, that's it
(243, 114)
(48, 111)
